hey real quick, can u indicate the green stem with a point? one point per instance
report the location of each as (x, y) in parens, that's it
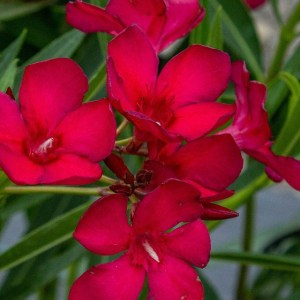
(241, 291)
(124, 141)
(70, 190)
(107, 180)
(122, 126)
(48, 292)
(287, 34)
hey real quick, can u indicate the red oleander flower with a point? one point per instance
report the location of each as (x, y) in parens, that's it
(51, 137)
(163, 21)
(151, 247)
(180, 102)
(210, 164)
(251, 130)
(253, 4)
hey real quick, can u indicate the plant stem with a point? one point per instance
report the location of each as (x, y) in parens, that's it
(122, 126)
(107, 180)
(241, 291)
(124, 141)
(70, 190)
(287, 34)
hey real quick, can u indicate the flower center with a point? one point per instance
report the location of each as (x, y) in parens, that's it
(43, 152)
(159, 110)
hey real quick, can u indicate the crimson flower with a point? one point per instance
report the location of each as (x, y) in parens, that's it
(210, 164)
(253, 4)
(50, 137)
(180, 102)
(251, 130)
(164, 21)
(151, 247)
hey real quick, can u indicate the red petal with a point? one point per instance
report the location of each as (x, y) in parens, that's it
(90, 18)
(17, 166)
(187, 13)
(216, 212)
(12, 126)
(134, 62)
(190, 242)
(89, 131)
(254, 3)
(148, 129)
(281, 167)
(213, 162)
(112, 281)
(174, 279)
(71, 169)
(50, 90)
(171, 203)
(197, 74)
(148, 15)
(194, 121)
(104, 228)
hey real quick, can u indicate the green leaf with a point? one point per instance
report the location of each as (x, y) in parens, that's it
(42, 273)
(215, 38)
(43, 238)
(63, 46)
(15, 9)
(10, 53)
(200, 34)
(268, 261)
(239, 34)
(7, 79)
(96, 83)
(290, 133)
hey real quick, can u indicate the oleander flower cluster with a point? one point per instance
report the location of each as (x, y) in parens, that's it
(190, 142)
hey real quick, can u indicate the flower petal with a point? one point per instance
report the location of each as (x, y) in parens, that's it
(214, 162)
(279, 167)
(89, 131)
(104, 228)
(171, 203)
(194, 121)
(49, 90)
(198, 74)
(114, 281)
(190, 242)
(174, 279)
(17, 166)
(71, 169)
(12, 127)
(135, 62)
(213, 211)
(182, 17)
(150, 16)
(90, 18)
(253, 4)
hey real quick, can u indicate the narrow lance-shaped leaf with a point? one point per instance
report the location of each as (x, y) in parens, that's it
(290, 133)
(15, 9)
(7, 79)
(215, 38)
(276, 262)
(43, 238)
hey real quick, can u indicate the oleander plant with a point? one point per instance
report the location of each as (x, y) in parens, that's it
(130, 130)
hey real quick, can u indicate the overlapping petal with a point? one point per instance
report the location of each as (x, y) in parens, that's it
(194, 121)
(174, 279)
(171, 203)
(186, 241)
(214, 162)
(198, 74)
(49, 90)
(91, 18)
(114, 281)
(104, 227)
(88, 131)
